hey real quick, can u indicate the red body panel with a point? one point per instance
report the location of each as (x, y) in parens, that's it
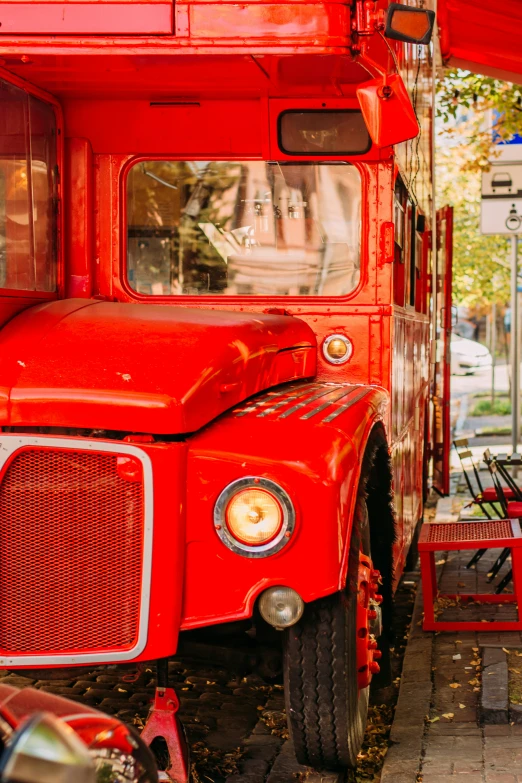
(143, 369)
(317, 462)
(482, 37)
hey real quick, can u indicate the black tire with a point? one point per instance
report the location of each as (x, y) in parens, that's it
(326, 710)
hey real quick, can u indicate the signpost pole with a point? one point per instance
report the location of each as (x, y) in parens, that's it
(493, 350)
(515, 358)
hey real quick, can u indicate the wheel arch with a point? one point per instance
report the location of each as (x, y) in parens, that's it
(375, 487)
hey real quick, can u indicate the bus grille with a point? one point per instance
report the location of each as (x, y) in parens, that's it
(71, 551)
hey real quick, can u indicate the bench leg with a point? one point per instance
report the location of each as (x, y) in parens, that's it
(516, 567)
(429, 586)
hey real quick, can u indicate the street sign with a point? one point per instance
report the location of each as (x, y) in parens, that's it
(501, 211)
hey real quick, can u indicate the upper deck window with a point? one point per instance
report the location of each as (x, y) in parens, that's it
(27, 172)
(323, 132)
(243, 228)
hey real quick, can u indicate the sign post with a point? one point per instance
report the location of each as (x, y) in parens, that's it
(515, 353)
(501, 213)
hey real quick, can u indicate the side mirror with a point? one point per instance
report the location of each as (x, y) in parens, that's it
(44, 749)
(410, 25)
(387, 110)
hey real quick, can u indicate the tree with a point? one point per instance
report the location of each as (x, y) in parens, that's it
(466, 143)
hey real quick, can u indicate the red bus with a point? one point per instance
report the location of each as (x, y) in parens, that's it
(224, 334)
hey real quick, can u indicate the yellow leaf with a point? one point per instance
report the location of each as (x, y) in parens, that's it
(448, 715)
(506, 651)
(462, 706)
(455, 685)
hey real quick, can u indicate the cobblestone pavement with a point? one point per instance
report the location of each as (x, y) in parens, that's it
(437, 735)
(234, 719)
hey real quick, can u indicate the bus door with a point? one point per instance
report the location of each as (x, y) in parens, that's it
(441, 357)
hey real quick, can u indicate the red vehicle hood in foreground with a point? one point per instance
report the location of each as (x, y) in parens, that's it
(142, 368)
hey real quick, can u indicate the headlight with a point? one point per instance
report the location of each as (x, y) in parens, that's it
(254, 517)
(337, 349)
(46, 750)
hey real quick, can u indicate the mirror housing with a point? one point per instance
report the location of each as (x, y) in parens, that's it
(410, 25)
(44, 749)
(387, 110)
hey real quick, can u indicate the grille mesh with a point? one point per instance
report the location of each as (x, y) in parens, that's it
(470, 531)
(70, 554)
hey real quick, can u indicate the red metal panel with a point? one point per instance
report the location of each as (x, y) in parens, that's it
(316, 461)
(144, 368)
(241, 22)
(80, 230)
(482, 36)
(87, 18)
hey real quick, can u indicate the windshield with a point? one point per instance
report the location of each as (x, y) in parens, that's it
(243, 228)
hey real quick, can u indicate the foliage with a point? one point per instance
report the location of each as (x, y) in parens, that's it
(464, 148)
(480, 263)
(464, 90)
(501, 407)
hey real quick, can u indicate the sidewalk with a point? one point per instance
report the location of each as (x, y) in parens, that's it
(437, 734)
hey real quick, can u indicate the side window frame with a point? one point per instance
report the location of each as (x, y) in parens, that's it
(56, 199)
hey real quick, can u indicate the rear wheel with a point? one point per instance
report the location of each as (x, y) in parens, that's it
(329, 660)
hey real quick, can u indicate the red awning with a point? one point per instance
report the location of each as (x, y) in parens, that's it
(484, 36)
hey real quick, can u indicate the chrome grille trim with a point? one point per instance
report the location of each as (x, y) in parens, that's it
(269, 396)
(303, 403)
(347, 405)
(286, 400)
(347, 390)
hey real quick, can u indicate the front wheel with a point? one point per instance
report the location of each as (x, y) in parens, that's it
(329, 660)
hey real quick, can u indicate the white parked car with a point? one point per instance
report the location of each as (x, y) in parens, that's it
(468, 356)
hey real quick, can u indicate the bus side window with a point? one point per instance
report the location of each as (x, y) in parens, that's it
(399, 219)
(27, 192)
(415, 257)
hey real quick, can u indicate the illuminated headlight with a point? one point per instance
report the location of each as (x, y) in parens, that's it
(254, 517)
(337, 349)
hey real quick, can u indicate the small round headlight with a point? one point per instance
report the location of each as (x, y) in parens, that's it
(254, 517)
(337, 349)
(281, 607)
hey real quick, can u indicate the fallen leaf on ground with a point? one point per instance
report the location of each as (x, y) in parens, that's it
(448, 715)
(462, 706)
(455, 685)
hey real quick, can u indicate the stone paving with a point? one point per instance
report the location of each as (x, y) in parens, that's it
(235, 719)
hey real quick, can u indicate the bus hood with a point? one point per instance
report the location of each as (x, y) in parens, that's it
(142, 368)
